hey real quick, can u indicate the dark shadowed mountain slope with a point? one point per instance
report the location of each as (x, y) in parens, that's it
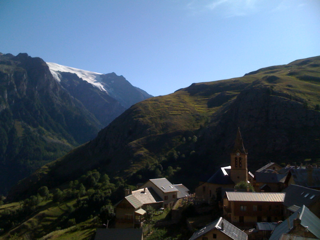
(192, 130)
(43, 119)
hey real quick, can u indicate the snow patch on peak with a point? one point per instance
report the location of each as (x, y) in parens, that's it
(91, 77)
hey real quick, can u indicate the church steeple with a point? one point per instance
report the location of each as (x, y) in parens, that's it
(238, 146)
(239, 168)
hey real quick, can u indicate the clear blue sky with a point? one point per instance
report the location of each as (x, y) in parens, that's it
(163, 45)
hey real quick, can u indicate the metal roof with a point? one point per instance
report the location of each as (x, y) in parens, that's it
(255, 197)
(183, 191)
(146, 196)
(299, 195)
(140, 211)
(267, 166)
(223, 226)
(293, 208)
(308, 220)
(266, 226)
(134, 201)
(163, 184)
(119, 233)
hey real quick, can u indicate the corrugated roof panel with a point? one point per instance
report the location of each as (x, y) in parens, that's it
(133, 201)
(255, 197)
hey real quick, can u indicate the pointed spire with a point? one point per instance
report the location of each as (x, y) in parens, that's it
(238, 146)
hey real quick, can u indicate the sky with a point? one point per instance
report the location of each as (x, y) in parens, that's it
(161, 46)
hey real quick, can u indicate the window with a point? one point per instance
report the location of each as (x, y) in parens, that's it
(240, 162)
(259, 219)
(236, 162)
(270, 207)
(204, 188)
(243, 208)
(165, 197)
(254, 208)
(210, 193)
(241, 219)
(173, 196)
(214, 236)
(259, 207)
(204, 238)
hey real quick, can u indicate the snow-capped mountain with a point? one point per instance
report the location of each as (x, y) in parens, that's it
(115, 86)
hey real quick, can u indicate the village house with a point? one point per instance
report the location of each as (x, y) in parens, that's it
(246, 208)
(303, 224)
(167, 191)
(156, 193)
(229, 176)
(219, 229)
(270, 178)
(129, 213)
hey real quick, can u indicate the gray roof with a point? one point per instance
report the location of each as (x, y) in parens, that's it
(266, 226)
(270, 177)
(118, 233)
(308, 219)
(255, 196)
(163, 184)
(299, 195)
(134, 201)
(146, 196)
(228, 229)
(293, 208)
(266, 167)
(183, 191)
(300, 177)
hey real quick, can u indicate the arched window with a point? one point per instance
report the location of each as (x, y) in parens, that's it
(240, 162)
(236, 162)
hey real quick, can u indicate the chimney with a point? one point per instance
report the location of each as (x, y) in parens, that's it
(222, 225)
(127, 192)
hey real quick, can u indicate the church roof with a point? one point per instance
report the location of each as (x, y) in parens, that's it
(238, 146)
(222, 176)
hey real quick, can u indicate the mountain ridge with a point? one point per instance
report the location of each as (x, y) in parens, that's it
(42, 118)
(180, 128)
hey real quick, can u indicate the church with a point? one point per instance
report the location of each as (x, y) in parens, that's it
(227, 177)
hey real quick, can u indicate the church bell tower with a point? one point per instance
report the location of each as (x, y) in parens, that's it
(239, 166)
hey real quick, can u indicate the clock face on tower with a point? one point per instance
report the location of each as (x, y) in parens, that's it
(238, 154)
